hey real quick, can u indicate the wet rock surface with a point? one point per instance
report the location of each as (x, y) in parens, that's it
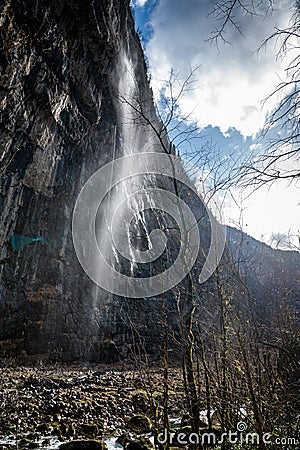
(67, 405)
(83, 445)
(59, 63)
(140, 423)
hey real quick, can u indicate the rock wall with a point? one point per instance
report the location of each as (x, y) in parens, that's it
(59, 60)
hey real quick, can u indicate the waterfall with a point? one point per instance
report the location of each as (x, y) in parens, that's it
(134, 138)
(137, 137)
(129, 208)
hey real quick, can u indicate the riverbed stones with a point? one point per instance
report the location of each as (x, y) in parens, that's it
(87, 400)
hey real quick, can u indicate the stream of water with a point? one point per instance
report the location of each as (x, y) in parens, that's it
(53, 443)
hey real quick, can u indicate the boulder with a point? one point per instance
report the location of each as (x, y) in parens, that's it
(84, 444)
(139, 423)
(135, 444)
(89, 430)
(140, 444)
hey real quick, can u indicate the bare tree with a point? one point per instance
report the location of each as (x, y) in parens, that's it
(227, 13)
(281, 133)
(231, 351)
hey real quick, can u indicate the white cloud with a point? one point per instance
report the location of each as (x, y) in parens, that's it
(233, 80)
(267, 212)
(140, 3)
(232, 83)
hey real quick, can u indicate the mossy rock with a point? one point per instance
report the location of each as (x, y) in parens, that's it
(140, 401)
(42, 428)
(123, 439)
(56, 431)
(28, 443)
(100, 425)
(33, 445)
(90, 430)
(84, 444)
(139, 444)
(67, 430)
(139, 423)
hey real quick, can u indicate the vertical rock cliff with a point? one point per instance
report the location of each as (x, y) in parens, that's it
(61, 63)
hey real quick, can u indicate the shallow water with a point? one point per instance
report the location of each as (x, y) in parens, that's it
(53, 444)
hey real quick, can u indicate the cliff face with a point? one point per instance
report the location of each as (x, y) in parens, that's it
(60, 65)
(72, 72)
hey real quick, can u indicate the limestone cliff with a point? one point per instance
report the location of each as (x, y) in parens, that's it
(59, 65)
(72, 74)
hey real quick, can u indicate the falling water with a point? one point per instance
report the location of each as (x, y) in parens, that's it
(122, 200)
(135, 137)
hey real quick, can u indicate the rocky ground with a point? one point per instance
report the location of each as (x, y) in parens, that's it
(82, 403)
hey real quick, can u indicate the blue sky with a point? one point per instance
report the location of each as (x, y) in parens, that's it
(142, 16)
(227, 101)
